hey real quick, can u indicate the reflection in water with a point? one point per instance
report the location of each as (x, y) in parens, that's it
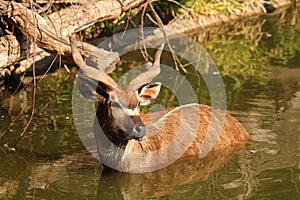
(273, 118)
(80, 175)
(171, 180)
(74, 175)
(260, 61)
(278, 127)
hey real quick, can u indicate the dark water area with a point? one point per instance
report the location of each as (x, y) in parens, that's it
(259, 60)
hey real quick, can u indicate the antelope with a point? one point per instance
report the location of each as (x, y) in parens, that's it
(130, 141)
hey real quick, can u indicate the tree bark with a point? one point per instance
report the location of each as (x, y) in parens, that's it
(79, 17)
(35, 27)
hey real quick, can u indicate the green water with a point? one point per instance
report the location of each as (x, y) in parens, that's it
(260, 63)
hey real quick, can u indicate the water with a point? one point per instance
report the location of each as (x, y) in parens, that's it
(260, 63)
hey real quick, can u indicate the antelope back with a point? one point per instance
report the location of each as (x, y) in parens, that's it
(173, 135)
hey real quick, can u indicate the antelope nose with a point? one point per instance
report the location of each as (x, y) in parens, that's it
(139, 131)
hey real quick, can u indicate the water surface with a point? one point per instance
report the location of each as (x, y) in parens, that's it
(260, 63)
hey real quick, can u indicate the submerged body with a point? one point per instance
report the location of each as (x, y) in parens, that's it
(181, 132)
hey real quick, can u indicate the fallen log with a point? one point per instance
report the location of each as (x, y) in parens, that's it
(35, 27)
(9, 50)
(55, 28)
(78, 17)
(12, 52)
(55, 1)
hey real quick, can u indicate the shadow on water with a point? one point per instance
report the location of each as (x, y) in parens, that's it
(81, 176)
(260, 63)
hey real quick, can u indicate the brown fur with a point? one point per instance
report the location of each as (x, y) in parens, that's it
(181, 132)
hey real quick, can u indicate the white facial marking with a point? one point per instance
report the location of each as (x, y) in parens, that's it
(128, 111)
(131, 112)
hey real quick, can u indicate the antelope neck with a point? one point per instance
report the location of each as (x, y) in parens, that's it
(109, 127)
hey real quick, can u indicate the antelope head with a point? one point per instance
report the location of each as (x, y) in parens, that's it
(118, 111)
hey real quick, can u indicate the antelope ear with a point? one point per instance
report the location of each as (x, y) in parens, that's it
(148, 93)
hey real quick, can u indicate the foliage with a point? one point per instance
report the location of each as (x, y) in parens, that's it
(214, 6)
(247, 50)
(282, 45)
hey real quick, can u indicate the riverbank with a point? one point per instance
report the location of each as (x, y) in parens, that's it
(177, 16)
(187, 23)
